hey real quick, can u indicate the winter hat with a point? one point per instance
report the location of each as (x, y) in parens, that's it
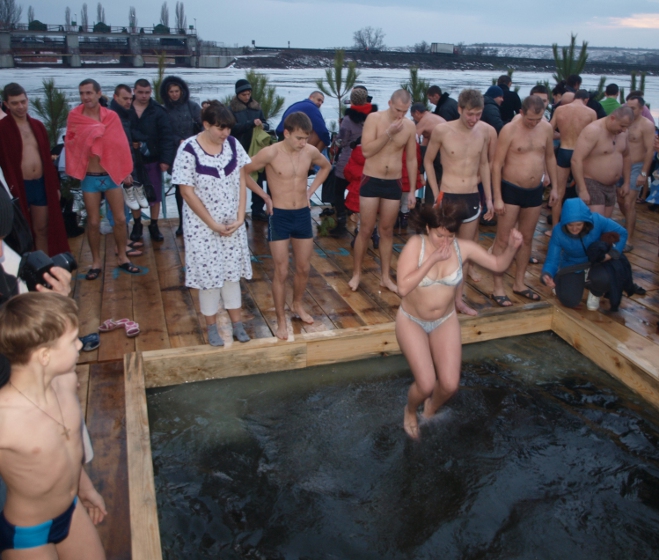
(6, 213)
(494, 92)
(243, 85)
(358, 96)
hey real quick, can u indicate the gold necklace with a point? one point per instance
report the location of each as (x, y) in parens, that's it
(66, 431)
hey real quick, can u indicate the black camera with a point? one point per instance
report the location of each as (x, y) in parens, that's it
(35, 264)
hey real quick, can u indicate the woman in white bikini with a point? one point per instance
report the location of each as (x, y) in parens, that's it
(427, 327)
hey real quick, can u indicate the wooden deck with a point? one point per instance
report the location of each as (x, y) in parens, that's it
(169, 318)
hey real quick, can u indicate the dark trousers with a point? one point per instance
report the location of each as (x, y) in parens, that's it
(179, 203)
(571, 282)
(258, 204)
(340, 186)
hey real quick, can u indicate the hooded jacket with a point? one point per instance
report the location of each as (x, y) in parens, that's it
(447, 108)
(351, 129)
(566, 249)
(184, 115)
(492, 114)
(246, 114)
(155, 129)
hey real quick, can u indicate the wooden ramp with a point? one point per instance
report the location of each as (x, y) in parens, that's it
(173, 345)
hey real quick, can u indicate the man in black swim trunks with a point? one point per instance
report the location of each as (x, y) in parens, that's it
(524, 151)
(286, 167)
(386, 134)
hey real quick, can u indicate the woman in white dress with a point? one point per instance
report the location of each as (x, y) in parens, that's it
(209, 170)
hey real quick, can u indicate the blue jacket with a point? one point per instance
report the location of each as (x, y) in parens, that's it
(566, 249)
(309, 108)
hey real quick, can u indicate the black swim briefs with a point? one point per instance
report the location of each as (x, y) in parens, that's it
(564, 158)
(471, 201)
(372, 187)
(284, 224)
(518, 196)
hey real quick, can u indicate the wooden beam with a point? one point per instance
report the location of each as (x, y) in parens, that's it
(141, 485)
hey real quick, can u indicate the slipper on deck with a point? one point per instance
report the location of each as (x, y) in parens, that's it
(132, 328)
(130, 268)
(93, 273)
(134, 253)
(135, 244)
(110, 325)
(528, 294)
(90, 342)
(533, 260)
(501, 301)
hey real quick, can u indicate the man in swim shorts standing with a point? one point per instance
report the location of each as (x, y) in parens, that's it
(601, 163)
(464, 149)
(425, 123)
(570, 119)
(286, 166)
(386, 134)
(524, 151)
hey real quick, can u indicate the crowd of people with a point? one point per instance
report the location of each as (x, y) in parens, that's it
(490, 158)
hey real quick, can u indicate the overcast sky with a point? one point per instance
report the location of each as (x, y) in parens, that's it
(330, 23)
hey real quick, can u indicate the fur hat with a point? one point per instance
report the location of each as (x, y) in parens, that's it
(358, 96)
(243, 85)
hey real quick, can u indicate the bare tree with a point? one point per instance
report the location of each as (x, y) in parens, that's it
(422, 47)
(164, 15)
(84, 18)
(10, 14)
(30, 14)
(181, 19)
(369, 39)
(132, 19)
(67, 18)
(100, 13)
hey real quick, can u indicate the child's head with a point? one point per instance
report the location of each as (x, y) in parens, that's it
(297, 129)
(34, 320)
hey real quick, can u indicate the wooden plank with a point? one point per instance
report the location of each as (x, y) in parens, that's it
(145, 544)
(108, 470)
(505, 322)
(82, 370)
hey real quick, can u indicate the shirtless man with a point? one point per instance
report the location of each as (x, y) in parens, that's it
(286, 165)
(386, 134)
(641, 139)
(524, 152)
(569, 119)
(464, 148)
(601, 161)
(425, 123)
(96, 177)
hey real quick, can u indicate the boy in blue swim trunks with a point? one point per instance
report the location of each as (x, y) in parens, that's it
(287, 164)
(51, 505)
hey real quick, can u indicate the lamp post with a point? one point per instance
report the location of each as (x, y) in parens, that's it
(195, 25)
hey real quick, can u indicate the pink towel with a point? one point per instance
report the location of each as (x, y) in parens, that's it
(86, 137)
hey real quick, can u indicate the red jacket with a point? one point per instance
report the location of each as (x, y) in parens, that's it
(353, 172)
(405, 179)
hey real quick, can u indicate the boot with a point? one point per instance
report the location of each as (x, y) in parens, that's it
(340, 230)
(136, 234)
(155, 232)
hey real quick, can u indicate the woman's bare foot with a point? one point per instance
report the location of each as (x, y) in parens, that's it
(301, 313)
(462, 307)
(410, 424)
(354, 282)
(282, 330)
(389, 284)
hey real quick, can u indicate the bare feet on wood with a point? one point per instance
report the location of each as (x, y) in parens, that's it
(299, 311)
(354, 282)
(282, 330)
(389, 284)
(462, 307)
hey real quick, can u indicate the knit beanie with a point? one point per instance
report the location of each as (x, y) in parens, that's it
(494, 92)
(243, 85)
(358, 96)
(6, 213)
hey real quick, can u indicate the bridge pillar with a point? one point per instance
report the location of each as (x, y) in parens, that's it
(6, 58)
(72, 55)
(135, 48)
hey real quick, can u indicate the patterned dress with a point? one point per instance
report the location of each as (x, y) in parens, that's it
(212, 259)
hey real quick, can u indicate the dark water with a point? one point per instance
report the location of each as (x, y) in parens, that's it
(535, 457)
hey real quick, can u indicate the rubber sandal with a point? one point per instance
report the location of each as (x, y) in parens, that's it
(90, 342)
(132, 328)
(93, 273)
(130, 268)
(109, 325)
(134, 253)
(501, 300)
(135, 244)
(528, 294)
(533, 260)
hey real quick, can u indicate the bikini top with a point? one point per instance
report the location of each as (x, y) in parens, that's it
(452, 279)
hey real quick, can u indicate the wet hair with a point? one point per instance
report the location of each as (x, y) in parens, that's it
(89, 81)
(573, 81)
(418, 108)
(30, 321)
(142, 82)
(434, 90)
(539, 88)
(13, 90)
(504, 80)
(470, 99)
(533, 104)
(217, 114)
(298, 120)
(449, 215)
(582, 94)
(641, 101)
(122, 87)
(622, 113)
(401, 95)
(559, 89)
(612, 89)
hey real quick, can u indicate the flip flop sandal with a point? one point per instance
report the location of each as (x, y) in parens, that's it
(135, 244)
(132, 328)
(130, 268)
(90, 342)
(501, 300)
(528, 294)
(93, 273)
(111, 325)
(134, 253)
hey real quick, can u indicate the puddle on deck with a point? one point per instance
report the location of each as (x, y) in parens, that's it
(535, 457)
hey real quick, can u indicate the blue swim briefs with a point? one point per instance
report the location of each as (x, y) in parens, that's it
(50, 532)
(284, 224)
(97, 184)
(35, 192)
